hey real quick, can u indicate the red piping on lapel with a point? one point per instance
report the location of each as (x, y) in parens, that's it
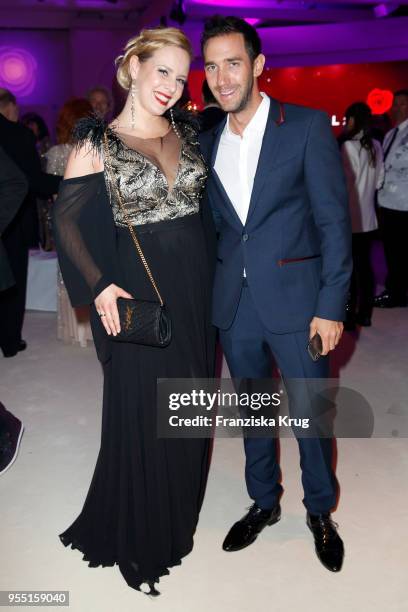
(281, 115)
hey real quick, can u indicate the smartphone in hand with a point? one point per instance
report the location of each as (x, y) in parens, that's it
(315, 347)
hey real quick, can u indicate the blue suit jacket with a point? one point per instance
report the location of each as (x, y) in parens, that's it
(296, 243)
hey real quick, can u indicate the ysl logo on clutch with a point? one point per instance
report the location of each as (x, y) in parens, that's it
(128, 318)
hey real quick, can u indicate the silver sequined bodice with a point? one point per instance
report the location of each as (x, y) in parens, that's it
(143, 186)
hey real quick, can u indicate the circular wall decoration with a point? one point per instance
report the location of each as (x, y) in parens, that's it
(18, 71)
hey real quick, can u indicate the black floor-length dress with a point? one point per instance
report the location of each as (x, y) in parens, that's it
(142, 507)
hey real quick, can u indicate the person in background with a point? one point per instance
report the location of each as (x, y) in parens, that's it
(43, 142)
(380, 125)
(393, 203)
(212, 113)
(364, 169)
(13, 188)
(40, 130)
(71, 112)
(21, 234)
(72, 323)
(8, 105)
(100, 98)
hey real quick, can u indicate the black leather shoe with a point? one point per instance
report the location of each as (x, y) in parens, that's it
(386, 300)
(329, 545)
(245, 531)
(22, 345)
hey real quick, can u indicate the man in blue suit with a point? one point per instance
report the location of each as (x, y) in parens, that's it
(278, 198)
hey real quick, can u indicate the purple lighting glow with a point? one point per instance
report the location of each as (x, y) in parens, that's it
(18, 71)
(245, 4)
(252, 21)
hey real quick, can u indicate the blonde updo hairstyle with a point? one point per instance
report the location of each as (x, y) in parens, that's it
(144, 45)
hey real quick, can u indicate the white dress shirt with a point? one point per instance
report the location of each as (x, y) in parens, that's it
(394, 193)
(363, 179)
(237, 159)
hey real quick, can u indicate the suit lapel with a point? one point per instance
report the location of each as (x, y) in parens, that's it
(269, 150)
(218, 184)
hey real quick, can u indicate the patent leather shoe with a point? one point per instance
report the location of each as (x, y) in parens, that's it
(246, 530)
(328, 544)
(387, 300)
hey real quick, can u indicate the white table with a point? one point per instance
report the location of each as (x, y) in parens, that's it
(42, 280)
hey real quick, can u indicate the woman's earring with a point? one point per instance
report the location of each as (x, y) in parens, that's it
(173, 123)
(132, 104)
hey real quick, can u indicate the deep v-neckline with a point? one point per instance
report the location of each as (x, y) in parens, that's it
(146, 158)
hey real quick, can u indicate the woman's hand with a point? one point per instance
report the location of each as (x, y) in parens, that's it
(107, 309)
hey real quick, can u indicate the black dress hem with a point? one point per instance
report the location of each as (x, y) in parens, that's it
(126, 568)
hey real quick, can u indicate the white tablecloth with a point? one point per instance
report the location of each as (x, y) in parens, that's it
(42, 281)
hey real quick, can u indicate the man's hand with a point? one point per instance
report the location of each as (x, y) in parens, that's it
(107, 309)
(329, 331)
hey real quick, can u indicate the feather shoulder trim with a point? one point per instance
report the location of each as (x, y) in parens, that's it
(90, 130)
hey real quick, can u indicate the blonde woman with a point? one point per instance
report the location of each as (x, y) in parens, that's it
(143, 504)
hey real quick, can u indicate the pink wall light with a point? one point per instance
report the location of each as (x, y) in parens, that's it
(18, 71)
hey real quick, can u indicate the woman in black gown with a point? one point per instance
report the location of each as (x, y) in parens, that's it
(142, 507)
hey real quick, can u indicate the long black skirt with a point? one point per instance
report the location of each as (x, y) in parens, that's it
(142, 507)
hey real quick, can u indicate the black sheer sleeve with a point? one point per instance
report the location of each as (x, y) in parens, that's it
(85, 237)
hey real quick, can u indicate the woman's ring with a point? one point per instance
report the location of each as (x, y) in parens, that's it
(102, 314)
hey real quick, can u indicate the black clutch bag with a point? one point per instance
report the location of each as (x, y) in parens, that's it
(141, 321)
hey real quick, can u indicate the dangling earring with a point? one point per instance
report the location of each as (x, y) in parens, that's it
(132, 105)
(173, 123)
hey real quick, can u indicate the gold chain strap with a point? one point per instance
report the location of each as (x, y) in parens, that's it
(132, 232)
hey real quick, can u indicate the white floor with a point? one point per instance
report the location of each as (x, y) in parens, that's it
(56, 391)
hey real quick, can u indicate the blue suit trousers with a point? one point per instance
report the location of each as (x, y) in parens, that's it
(248, 347)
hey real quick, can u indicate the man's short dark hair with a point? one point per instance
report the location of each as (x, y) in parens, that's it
(6, 97)
(219, 26)
(401, 92)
